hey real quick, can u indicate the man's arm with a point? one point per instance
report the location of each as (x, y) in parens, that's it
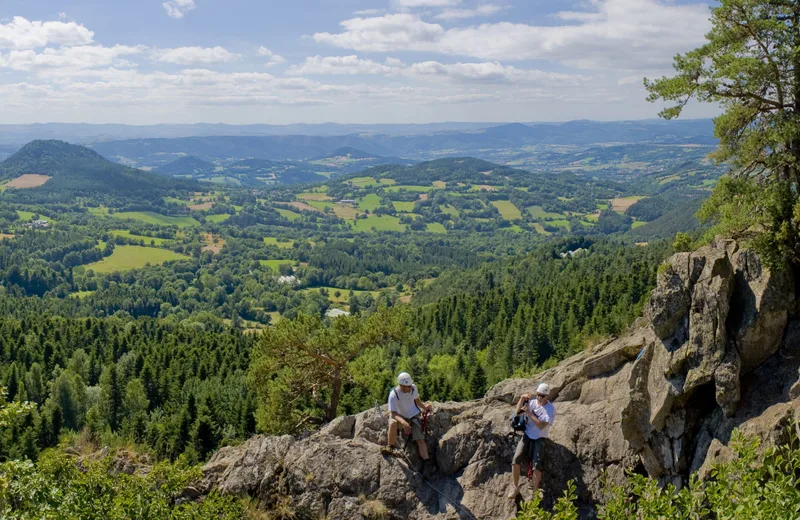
(421, 405)
(540, 423)
(400, 419)
(524, 398)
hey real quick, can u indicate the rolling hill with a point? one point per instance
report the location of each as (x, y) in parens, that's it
(188, 165)
(77, 170)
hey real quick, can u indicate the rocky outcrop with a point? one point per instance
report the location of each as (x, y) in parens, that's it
(717, 350)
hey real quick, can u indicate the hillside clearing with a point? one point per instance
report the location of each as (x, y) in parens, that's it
(507, 210)
(436, 227)
(274, 265)
(302, 206)
(621, 205)
(28, 180)
(382, 223)
(125, 258)
(272, 241)
(291, 215)
(403, 207)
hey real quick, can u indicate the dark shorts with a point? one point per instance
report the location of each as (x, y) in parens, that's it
(416, 428)
(530, 450)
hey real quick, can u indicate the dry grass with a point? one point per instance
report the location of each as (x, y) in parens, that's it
(5, 236)
(29, 180)
(484, 187)
(302, 206)
(214, 243)
(374, 510)
(622, 204)
(321, 197)
(423, 196)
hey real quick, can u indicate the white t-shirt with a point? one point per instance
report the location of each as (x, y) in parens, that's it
(403, 403)
(546, 413)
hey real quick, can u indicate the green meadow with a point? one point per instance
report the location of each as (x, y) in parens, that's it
(539, 212)
(382, 223)
(216, 219)
(150, 217)
(147, 240)
(125, 258)
(403, 207)
(275, 264)
(507, 210)
(272, 241)
(436, 227)
(369, 202)
(291, 215)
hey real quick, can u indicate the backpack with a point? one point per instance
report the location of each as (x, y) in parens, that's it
(519, 421)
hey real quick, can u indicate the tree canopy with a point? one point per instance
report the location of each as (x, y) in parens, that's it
(750, 66)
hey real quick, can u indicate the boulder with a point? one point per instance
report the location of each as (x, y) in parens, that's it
(717, 351)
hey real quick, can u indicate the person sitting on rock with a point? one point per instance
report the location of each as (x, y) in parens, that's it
(405, 407)
(540, 413)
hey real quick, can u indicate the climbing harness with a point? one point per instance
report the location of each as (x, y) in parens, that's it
(423, 425)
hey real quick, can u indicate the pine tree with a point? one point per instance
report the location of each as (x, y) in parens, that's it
(477, 382)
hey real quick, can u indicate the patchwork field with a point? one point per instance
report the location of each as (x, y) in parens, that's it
(150, 217)
(538, 212)
(291, 215)
(449, 210)
(147, 240)
(216, 219)
(344, 294)
(272, 241)
(275, 264)
(403, 207)
(314, 196)
(28, 215)
(203, 206)
(369, 202)
(436, 227)
(28, 180)
(125, 258)
(98, 212)
(401, 187)
(382, 223)
(507, 210)
(302, 206)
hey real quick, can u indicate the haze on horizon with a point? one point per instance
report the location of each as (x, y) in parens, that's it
(358, 61)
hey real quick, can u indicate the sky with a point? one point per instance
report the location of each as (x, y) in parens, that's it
(345, 61)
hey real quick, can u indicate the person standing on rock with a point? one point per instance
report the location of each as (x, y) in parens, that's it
(540, 413)
(405, 408)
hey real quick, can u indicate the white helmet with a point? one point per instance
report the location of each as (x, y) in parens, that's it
(404, 379)
(543, 388)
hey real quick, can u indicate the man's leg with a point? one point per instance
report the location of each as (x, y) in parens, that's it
(392, 440)
(537, 479)
(515, 468)
(423, 449)
(537, 450)
(520, 455)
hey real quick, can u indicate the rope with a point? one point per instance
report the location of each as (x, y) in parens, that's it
(455, 504)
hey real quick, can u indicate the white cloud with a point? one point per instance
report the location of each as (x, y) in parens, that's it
(398, 31)
(426, 3)
(22, 33)
(347, 65)
(194, 55)
(178, 8)
(70, 58)
(466, 73)
(491, 72)
(461, 14)
(274, 59)
(621, 34)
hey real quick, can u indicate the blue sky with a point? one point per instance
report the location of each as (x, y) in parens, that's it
(349, 61)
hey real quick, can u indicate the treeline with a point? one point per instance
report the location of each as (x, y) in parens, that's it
(176, 389)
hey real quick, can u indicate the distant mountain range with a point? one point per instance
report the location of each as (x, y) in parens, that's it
(155, 152)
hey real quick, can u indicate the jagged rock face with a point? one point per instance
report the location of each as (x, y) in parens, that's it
(714, 353)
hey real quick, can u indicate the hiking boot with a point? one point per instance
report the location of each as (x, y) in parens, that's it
(388, 450)
(513, 493)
